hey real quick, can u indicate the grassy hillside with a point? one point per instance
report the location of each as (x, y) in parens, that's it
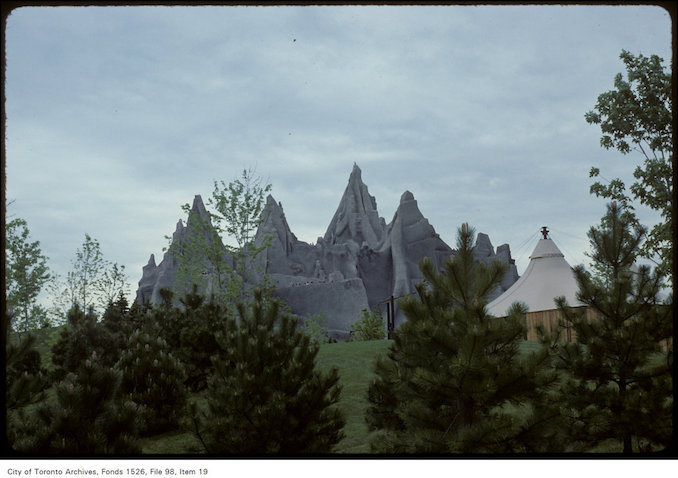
(355, 361)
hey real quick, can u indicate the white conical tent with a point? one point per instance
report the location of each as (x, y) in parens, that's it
(547, 276)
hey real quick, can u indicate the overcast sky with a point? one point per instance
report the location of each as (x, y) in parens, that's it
(118, 115)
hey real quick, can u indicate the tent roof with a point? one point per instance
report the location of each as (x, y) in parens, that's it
(547, 276)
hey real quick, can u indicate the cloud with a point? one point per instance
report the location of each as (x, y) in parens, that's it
(117, 116)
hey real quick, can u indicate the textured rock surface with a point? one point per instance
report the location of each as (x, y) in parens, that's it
(339, 302)
(410, 239)
(164, 275)
(356, 219)
(360, 261)
(149, 277)
(484, 252)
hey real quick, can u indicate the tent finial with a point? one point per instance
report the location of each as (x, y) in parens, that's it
(545, 232)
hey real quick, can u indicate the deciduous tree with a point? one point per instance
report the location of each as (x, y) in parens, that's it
(637, 116)
(93, 281)
(218, 269)
(26, 274)
(238, 213)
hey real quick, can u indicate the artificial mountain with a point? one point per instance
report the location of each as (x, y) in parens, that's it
(358, 264)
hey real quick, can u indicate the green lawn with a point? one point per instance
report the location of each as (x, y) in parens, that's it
(355, 363)
(354, 360)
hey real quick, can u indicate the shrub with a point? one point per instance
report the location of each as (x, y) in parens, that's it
(88, 417)
(370, 326)
(82, 336)
(315, 326)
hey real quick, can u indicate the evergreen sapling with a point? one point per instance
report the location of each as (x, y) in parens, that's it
(620, 368)
(266, 396)
(454, 375)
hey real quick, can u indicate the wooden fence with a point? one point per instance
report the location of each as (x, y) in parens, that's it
(549, 320)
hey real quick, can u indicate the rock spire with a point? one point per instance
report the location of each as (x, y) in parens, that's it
(359, 262)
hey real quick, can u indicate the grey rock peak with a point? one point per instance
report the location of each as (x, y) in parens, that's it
(274, 227)
(164, 275)
(149, 277)
(198, 209)
(358, 264)
(356, 218)
(483, 251)
(409, 216)
(411, 238)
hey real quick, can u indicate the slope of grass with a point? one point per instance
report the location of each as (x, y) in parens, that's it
(355, 362)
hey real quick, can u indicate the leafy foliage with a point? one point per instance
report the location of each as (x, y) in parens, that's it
(221, 271)
(26, 274)
(315, 326)
(453, 371)
(202, 259)
(265, 396)
(93, 282)
(87, 268)
(638, 116)
(111, 284)
(239, 206)
(620, 370)
(370, 327)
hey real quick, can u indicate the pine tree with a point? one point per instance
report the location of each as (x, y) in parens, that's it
(26, 379)
(82, 336)
(454, 376)
(118, 325)
(620, 368)
(26, 384)
(152, 377)
(87, 417)
(198, 323)
(265, 396)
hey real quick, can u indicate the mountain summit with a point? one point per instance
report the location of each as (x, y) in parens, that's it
(356, 218)
(358, 264)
